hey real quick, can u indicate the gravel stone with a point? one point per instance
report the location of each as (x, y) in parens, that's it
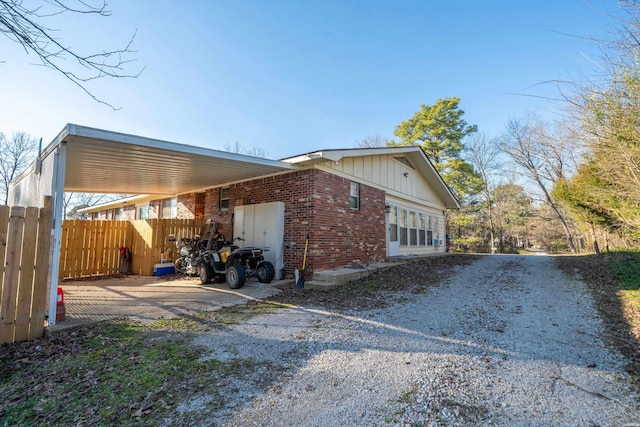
(507, 340)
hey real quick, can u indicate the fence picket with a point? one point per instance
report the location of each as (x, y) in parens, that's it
(41, 274)
(93, 247)
(12, 273)
(4, 225)
(25, 283)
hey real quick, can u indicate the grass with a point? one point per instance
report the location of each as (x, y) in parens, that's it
(219, 319)
(116, 374)
(121, 372)
(625, 266)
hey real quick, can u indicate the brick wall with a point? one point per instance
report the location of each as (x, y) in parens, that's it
(155, 206)
(344, 236)
(316, 203)
(187, 206)
(198, 209)
(129, 213)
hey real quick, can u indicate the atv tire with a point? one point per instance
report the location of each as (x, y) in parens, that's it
(236, 276)
(265, 272)
(206, 273)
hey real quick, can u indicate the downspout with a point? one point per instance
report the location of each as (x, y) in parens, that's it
(57, 192)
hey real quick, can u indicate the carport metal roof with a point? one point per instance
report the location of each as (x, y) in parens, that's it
(88, 160)
(100, 161)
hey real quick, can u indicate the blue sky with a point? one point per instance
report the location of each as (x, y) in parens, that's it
(294, 76)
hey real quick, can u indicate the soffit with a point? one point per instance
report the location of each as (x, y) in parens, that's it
(99, 161)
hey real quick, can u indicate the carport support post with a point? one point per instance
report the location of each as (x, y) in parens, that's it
(59, 169)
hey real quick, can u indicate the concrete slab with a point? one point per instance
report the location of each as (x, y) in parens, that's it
(147, 298)
(329, 279)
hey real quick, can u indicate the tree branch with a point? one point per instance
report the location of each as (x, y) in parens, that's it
(26, 27)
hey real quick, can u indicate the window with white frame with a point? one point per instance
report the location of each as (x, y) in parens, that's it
(354, 197)
(169, 208)
(393, 223)
(413, 229)
(403, 227)
(117, 214)
(225, 195)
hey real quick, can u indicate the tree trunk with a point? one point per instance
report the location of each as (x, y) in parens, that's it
(559, 214)
(596, 248)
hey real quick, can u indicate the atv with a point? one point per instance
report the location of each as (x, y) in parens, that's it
(189, 250)
(224, 259)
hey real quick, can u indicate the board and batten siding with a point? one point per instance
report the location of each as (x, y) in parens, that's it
(388, 174)
(412, 192)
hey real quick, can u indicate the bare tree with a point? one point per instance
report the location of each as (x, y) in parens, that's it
(15, 154)
(483, 154)
(75, 201)
(372, 141)
(541, 158)
(237, 148)
(28, 26)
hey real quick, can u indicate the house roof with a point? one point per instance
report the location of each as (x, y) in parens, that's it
(101, 161)
(127, 201)
(413, 153)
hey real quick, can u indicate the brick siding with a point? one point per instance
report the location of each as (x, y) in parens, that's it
(187, 206)
(316, 203)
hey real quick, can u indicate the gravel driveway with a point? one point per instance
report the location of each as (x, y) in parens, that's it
(507, 340)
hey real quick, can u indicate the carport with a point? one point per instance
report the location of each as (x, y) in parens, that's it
(88, 160)
(148, 298)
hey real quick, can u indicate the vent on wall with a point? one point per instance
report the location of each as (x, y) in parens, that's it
(404, 161)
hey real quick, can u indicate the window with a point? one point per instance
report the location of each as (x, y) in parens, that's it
(224, 198)
(143, 212)
(413, 232)
(403, 227)
(169, 208)
(414, 228)
(436, 232)
(354, 199)
(393, 224)
(118, 214)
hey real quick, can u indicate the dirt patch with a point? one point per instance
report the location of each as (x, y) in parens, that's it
(381, 288)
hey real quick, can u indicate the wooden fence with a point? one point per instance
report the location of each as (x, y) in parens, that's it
(25, 245)
(92, 248)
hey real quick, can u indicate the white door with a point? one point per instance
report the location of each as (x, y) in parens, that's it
(393, 237)
(262, 226)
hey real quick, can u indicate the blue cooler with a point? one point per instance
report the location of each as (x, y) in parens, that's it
(164, 268)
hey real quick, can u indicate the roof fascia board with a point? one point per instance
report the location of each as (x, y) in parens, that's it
(46, 152)
(93, 133)
(445, 187)
(337, 155)
(127, 201)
